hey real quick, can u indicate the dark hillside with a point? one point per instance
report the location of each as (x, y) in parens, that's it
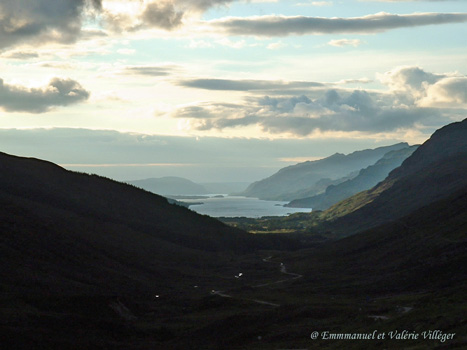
(83, 258)
(44, 186)
(434, 171)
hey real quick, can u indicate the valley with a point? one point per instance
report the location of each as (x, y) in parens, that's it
(88, 262)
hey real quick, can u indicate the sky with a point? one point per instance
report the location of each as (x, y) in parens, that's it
(224, 90)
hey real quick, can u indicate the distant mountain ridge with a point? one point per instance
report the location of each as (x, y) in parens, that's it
(366, 179)
(170, 185)
(434, 171)
(312, 177)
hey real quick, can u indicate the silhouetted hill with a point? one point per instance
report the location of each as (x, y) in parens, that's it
(76, 250)
(170, 185)
(366, 179)
(435, 170)
(88, 263)
(407, 274)
(312, 177)
(424, 250)
(73, 230)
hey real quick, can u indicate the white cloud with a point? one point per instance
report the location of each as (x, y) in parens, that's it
(276, 46)
(321, 3)
(315, 3)
(231, 43)
(345, 42)
(126, 51)
(199, 44)
(425, 89)
(450, 92)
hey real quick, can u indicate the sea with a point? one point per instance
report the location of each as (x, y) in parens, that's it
(237, 206)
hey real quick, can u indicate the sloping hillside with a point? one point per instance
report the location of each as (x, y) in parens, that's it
(434, 171)
(83, 258)
(312, 177)
(366, 179)
(170, 185)
(67, 230)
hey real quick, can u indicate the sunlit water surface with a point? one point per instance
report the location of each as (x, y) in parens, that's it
(234, 206)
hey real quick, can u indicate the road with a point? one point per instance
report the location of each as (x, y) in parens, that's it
(283, 270)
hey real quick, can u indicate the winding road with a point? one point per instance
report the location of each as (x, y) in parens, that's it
(283, 270)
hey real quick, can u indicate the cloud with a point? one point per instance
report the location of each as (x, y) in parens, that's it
(162, 15)
(20, 55)
(345, 42)
(321, 3)
(315, 3)
(154, 71)
(405, 0)
(427, 89)
(415, 98)
(128, 156)
(448, 92)
(270, 26)
(246, 85)
(276, 46)
(206, 110)
(59, 92)
(355, 81)
(42, 21)
(409, 78)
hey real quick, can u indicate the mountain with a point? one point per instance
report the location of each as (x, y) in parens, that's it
(170, 185)
(435, 170)
(81, 255)
(312, 177)
(90, 263)
(366, 179)
(407, 274)
(225, 187)
(46, 209)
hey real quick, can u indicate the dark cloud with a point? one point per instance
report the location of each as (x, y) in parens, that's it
(407, 0)
(337, 110)
(203, 5)
(20, 55)
(245, 85)
(154, 71)
(299, 25)
(162, 15)
(209, 111)
(59, 92)
(41, 21)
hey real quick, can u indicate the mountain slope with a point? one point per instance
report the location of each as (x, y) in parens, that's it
(170, 185)
(83, 257)
(407, 274)
(291, 182)
(48, 186)
(91, 233)
(435, 170)
(366, 179)
(402, 254)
